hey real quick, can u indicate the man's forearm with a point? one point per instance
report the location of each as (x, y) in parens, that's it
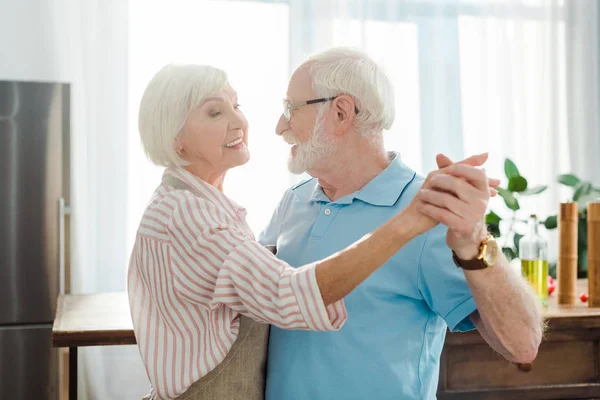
(511, 318)
(508, 310)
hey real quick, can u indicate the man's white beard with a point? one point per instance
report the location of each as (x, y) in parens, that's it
(310, 153)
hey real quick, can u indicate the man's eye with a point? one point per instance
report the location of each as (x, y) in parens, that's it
(215, 114)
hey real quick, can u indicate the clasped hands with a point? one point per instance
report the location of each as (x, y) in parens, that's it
(457, 196)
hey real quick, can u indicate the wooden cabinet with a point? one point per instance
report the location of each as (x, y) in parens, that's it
(567, 365)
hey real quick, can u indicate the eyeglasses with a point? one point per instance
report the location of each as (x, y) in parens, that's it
(289, 106)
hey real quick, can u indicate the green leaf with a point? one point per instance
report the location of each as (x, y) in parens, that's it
(517, 239)
(534, 190)
(494, 229)
(584, 199)
(509, 253)
(492, 218)
(552, 269)
(509, 199)
(551, 222)
(517, 184)
(568, 180)
(582, 189)
(510, 169)
(582, 263)
(582, 232)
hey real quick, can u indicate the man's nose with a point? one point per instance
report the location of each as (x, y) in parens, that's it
(282, 125)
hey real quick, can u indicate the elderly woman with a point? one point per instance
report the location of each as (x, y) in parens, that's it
(202, 291)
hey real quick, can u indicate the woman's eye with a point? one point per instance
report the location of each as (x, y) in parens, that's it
(215, 114)
(237, 106)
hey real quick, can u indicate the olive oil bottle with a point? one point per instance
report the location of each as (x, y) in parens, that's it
(533, 252)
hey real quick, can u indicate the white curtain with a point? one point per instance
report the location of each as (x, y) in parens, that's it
(84, 43)
(470, 76)
(94, 50)
(517, 78)
(582, 19)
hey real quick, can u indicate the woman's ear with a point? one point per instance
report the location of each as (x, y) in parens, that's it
(178, 143)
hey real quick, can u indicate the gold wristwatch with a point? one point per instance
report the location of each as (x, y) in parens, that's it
(487, 257)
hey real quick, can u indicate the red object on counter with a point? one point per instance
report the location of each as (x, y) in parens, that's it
(551, 285)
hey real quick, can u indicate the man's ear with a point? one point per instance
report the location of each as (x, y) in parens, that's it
(344, 107)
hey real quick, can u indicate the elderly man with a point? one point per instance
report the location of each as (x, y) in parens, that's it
(338, 103)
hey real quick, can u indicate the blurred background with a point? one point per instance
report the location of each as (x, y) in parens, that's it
(516, 78)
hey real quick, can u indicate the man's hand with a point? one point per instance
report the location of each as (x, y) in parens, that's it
(457, 196)
(443, 162)
(510, 320)
(425, 221)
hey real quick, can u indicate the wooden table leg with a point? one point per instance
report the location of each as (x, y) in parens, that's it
(72, 373)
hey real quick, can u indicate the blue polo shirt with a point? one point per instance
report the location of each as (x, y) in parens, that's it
(390, 346)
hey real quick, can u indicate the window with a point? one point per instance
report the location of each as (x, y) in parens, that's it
(469, 76)
(224, 34)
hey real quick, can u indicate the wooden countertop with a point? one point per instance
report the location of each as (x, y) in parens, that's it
(102, 319)
(99, 319)
(579, 315)
(559, 319)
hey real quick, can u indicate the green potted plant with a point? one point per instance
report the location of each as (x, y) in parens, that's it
(583, 192)
(518, 186)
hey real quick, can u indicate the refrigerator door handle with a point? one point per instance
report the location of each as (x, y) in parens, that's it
(63, 210)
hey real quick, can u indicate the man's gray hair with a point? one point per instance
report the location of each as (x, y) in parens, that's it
(167, 100)
(343, 70)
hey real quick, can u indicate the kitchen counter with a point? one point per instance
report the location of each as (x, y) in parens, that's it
(567, 365)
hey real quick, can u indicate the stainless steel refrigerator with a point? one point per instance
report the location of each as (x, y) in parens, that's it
(34, 188)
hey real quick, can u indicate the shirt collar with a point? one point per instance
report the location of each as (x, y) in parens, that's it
(204, 189)
(383, 190)
(386, 188)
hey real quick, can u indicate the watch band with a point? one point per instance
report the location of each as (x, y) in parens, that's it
(470, 265)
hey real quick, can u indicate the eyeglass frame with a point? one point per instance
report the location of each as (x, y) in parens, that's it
(289, 106)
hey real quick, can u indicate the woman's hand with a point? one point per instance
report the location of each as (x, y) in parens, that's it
(421, 222)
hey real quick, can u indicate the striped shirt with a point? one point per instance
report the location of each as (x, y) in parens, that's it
(195, 267)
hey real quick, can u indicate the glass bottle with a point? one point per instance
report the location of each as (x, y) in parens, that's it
(533, 252)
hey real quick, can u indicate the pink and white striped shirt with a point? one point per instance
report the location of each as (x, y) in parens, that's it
(194, 267)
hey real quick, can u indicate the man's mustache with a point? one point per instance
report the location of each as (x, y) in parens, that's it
(289, 137)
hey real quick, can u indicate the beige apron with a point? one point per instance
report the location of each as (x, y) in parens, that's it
(241, 375)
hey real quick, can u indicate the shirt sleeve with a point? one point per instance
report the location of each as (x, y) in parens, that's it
(214, 262)
(443, 285)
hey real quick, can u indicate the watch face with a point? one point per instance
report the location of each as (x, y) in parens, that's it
(491, 253)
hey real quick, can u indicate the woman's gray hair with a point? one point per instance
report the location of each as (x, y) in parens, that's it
(343, 70)
(167, 100)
